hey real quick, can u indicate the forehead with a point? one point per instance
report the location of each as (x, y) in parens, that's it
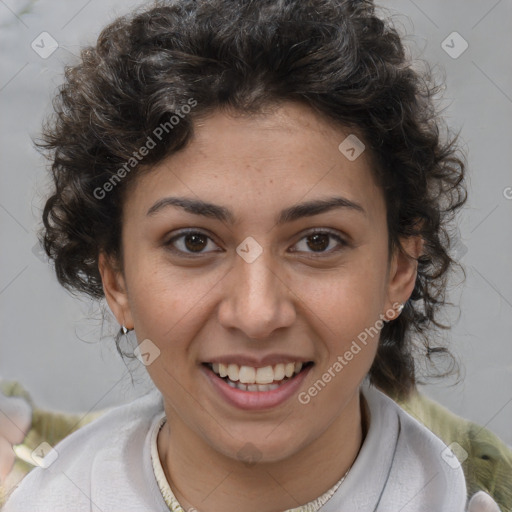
(264, 161)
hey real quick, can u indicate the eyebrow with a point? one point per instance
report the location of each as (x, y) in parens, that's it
(290, 214)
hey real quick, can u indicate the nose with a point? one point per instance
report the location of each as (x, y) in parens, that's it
(257, 300)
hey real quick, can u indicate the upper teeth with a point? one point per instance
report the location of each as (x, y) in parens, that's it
(251, 375)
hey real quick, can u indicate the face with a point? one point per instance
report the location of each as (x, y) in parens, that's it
(287, 267)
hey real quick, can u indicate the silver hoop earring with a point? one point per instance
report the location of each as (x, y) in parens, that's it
(125, 330)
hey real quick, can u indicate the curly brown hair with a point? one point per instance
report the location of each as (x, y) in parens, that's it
(337, 56)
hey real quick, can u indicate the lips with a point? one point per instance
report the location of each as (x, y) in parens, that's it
(255, 396)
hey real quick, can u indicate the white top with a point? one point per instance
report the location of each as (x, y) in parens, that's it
(106, 466)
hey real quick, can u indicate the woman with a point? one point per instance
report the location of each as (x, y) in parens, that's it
(261, 192)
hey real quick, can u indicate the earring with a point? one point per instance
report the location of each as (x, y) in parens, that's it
(398, 311)
(125, 330)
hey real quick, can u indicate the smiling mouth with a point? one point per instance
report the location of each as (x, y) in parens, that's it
(267, 378)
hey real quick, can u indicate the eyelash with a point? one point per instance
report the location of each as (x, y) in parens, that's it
(183, 234)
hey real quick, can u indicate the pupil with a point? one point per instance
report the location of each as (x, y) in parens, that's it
(323, 238)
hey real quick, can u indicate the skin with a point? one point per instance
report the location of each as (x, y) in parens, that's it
(302, 298)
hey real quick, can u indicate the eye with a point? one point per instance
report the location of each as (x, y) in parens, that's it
(319, 241)
(189, 242)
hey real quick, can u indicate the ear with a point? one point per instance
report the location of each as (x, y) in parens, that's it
(403, 270)
(114, 287)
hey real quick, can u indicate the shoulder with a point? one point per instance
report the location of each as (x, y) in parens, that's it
(70, 475)
(486, 459)
(399, 466)
(424, 467)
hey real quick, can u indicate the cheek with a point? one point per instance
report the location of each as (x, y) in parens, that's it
(352, 295)
(163, 296)
(345, 308)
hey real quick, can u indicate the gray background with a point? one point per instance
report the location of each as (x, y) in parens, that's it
(59, 347)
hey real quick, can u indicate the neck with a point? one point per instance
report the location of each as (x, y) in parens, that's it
(205, 480)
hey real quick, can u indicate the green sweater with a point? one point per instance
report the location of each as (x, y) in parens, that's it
(488, 465)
